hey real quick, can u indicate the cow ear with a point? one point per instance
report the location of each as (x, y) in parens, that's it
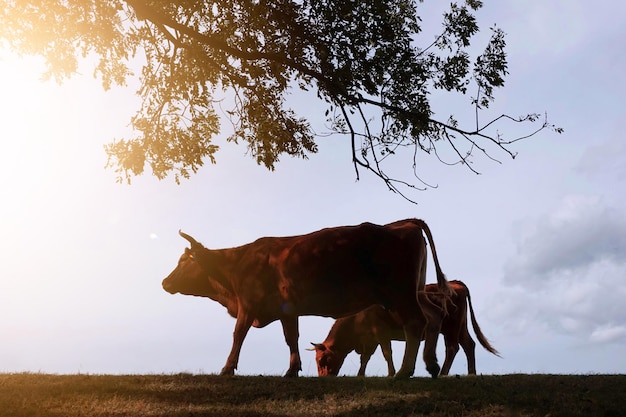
(318, 346)
(190, 253)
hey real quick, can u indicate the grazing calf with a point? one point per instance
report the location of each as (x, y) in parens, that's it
(332, 272)
(364, 331)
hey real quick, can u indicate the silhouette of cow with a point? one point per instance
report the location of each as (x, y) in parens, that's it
(364, 331)
(332, 272)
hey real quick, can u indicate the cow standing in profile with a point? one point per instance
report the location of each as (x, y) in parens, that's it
(364, 331)
(332, 272)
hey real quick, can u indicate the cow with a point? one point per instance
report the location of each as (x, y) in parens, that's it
(374, 326)
(333, 272)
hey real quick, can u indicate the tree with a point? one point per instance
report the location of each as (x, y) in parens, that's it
(359, 57)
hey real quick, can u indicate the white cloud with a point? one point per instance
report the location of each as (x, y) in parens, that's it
(580, 232)
(609, 333)
(586, 304)
(568, 273)
(606, 160)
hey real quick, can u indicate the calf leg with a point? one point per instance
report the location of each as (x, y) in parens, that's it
(469, 347)
(366, 354)
(385, 346)
(244, 321)
(290, 330)
(452, 347)
(365, 358)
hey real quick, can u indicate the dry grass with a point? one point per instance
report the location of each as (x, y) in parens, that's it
(46, 395)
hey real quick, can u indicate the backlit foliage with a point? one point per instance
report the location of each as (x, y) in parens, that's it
(358, 58)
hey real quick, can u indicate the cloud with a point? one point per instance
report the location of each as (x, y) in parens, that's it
(604, 161)
(568, 273)
(586, 304)
(609, 333)
(582, 231)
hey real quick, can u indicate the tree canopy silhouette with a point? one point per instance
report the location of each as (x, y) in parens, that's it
(358, 58)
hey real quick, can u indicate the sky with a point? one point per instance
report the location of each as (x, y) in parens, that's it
(540, 240)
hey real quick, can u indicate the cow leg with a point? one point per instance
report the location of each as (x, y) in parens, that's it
(469, 347)
(452, 347)
(244, 322)
(431, 333)
(385, 346)
(430, 352)
(412, 334)
(290, 330)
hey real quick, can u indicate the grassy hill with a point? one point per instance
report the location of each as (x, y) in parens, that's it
(44, 395)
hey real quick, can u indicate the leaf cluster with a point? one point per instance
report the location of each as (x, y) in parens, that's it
(360, 58)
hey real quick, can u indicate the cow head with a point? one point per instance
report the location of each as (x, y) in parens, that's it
(328, 361)
(188, 276)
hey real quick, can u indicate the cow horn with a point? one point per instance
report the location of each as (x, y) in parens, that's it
(189, 238)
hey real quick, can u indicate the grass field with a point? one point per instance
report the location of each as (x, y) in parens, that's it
(44, 395)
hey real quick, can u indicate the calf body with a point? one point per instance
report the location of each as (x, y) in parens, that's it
(374, 326)
(333, 272)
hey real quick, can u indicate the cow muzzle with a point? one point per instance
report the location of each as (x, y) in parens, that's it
(167, 286)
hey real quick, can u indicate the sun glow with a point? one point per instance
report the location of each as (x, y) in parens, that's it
(25, 150)
(52, 137)
(55, 191)
(51, 156)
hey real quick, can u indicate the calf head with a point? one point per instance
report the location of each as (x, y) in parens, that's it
(328, 361)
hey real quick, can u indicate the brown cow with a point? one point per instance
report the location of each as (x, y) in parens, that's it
(364, 331)
(333, 272)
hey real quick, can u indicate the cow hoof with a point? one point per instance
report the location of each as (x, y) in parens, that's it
(227, 372)
(291, 374)
(433, 370)
(403, 374)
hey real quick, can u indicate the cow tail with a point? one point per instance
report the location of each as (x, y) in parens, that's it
(479, 334)
(442, 282)
(444, 287)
